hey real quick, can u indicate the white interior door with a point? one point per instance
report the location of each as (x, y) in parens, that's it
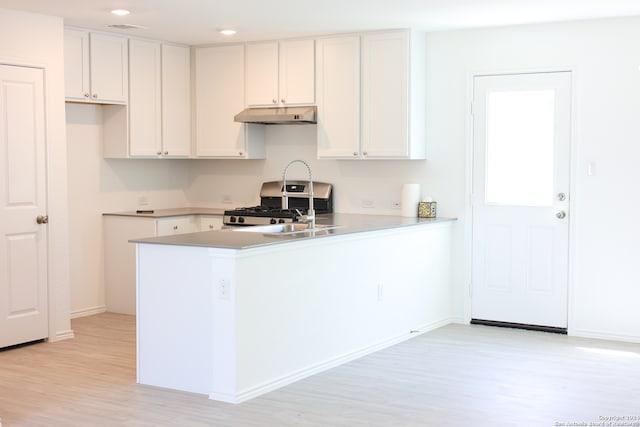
(23, 250)
(521, 137)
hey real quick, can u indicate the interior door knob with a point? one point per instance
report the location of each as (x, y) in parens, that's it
(561, 214)
(42, 219)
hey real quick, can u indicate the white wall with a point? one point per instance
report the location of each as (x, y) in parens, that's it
(605, 273)
(36, 40)
(96, 186)
(605, 281)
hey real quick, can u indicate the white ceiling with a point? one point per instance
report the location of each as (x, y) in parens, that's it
(195, 22)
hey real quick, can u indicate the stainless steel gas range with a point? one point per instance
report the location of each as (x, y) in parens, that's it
(270, 210)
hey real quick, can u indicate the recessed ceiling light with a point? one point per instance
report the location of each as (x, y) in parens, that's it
(227, 32)
(120, 12)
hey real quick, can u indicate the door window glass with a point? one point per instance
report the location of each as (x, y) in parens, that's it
(520, 141)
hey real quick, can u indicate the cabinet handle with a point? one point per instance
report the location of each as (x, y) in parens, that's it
(95, 96)
(211, 226)
(355, 154)
(283, 101)
(159, 153)
(86, 95)
(364, 153)
(275, 101)
(175, 227)
(240, 153)
(42, 219)
(166, 153)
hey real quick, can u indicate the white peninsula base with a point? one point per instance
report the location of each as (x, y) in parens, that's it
(236, 323)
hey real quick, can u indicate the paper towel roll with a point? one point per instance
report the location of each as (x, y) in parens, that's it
(409, 199)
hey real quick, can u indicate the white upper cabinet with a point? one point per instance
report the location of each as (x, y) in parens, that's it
(176, 101)
(145, 103)
(95, 67)
(386, 120)
(158, 123)
(393, 95)
(280, 73)
(338, 93)
(219, 96)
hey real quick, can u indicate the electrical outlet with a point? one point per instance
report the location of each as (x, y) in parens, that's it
(368, 203)
(143, 200)
(223, 289)
(395, 204)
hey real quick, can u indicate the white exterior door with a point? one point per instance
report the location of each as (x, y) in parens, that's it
(521, 169)
(23, 250)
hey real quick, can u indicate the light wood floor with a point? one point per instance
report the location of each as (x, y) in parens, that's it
(458, 375)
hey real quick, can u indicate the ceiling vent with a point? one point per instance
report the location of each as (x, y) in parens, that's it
(127, 27)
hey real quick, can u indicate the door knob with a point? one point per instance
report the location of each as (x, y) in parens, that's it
(562, 197)
(42, 219)
(561, 214)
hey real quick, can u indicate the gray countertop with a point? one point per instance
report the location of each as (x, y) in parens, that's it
(349, 223)
(164, 213)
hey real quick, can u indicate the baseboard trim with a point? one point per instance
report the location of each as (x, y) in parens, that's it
(63, 335)
(539, 328)
(277, 383)
(88, 312)
(585, 333)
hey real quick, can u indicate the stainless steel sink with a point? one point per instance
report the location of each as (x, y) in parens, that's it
(286, 229)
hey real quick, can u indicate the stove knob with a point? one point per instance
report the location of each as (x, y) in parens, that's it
(272, 221)
(241, 220)
(281, 221)
(232, 219)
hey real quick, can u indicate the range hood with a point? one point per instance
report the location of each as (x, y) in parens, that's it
(278, 115)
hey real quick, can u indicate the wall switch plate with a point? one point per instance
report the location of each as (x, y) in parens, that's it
(395, 204)
(368, 203)
(143, 200)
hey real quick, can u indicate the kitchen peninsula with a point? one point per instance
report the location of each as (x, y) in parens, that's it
(237, 313)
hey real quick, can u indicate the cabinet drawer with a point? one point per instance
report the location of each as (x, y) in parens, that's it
(176, 225)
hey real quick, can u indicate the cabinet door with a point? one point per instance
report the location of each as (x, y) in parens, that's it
(338, 86)
(385, 75)
(120, 260)
(109, 73)
(76, 65)
(176, 101)
(175, 225)
(297, 72)
(219, 97)
(262, 74)
(210, 222)
(145, 128)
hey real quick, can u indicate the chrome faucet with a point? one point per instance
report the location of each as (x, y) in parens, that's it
(310, 217)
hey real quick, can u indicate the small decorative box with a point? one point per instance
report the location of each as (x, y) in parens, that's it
(427, 209)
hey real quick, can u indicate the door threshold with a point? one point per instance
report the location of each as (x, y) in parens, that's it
(539, 328)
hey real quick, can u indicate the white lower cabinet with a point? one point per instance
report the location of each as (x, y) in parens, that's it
(210, 222)
(120, 255)
(176, 225)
